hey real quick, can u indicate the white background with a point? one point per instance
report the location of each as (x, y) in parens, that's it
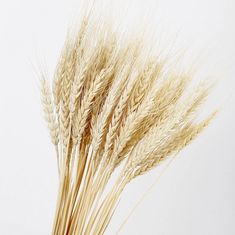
(196, 193)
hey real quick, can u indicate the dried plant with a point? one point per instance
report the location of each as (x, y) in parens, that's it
(112, 106)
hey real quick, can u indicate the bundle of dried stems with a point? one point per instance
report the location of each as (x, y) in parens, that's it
(112, 106)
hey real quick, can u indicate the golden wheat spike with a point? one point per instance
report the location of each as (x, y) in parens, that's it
(49, 111)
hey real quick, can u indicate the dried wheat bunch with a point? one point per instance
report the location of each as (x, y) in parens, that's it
(112, 106)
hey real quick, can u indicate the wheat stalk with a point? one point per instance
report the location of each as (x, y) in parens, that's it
(111, 104)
